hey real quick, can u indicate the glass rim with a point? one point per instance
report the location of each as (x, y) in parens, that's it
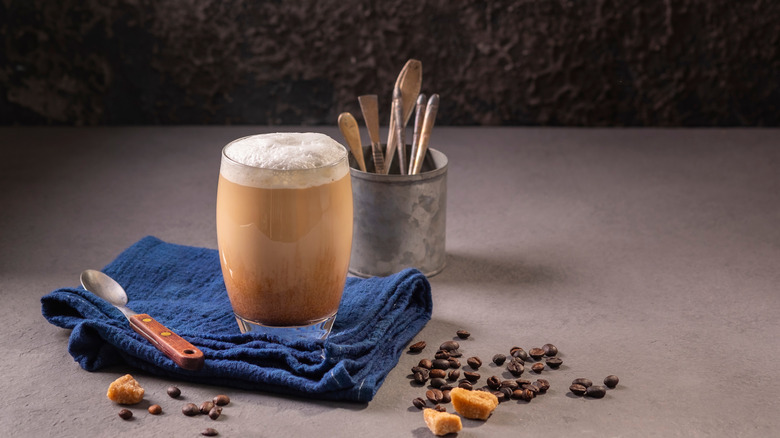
(344, 158)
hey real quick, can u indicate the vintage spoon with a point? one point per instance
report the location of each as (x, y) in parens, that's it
(425, 135)
(179, 350)
(369, 104)
(409, 81)
(351, 132)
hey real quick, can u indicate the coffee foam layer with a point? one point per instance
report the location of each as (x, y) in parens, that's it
(289, 159)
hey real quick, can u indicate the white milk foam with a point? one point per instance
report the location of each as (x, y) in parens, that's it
(284, 160)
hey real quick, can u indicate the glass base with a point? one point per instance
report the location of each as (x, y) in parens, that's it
(317, 330)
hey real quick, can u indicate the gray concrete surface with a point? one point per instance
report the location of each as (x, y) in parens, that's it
(650, 254)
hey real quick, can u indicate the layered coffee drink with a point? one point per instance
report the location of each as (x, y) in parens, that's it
(284, 229)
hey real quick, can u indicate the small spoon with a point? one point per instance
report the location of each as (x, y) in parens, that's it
(349, 129)
(425, 134)
(175, 347)
(409, 81)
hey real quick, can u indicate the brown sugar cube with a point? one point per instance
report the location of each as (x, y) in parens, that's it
(476, 405)
(441, 423)
(125, 391)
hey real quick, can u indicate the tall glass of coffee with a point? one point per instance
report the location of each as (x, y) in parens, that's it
(284, 230)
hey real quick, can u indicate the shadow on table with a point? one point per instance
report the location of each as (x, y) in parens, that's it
(495, 269)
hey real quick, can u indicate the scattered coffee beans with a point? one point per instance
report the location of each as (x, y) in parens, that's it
(493, 382)
(521, 382)
(205, 407)
(474, 362)
(465, 384)
(438, 382)
(596, 391)
(499, 359)
(542, 384)
(190, 409)
(537, 367)
(550, 350)
(454, 363)
(577, 389)
(440, 408)
(507, 392)
(215, 412)
(518, 353)
(445, 396)
(583, 381)
(553, 362)
(511, 384)
(453, 375)
(155, 409)
(417, 347)
(125, 414)
(536, 353)
(209, 431)
(419, 403)
(463, 334)
(425, 363)
(174, 392)
(611, 381)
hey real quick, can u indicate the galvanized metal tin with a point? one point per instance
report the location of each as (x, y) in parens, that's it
(399, 220)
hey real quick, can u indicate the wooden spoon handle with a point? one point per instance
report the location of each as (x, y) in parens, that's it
(174, 346)
(351, 132)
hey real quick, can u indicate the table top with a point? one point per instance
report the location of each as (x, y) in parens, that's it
(651, 254)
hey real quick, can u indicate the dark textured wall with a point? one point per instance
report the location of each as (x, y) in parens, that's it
(523, 62)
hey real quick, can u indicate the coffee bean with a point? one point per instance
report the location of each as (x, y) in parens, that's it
(438, 382)
(471, 376)
(419, 403)
(531, 387)
(494, 382)
(507, 393)
(463, 334)
(523, 394)
(221, 400)
(611, 381)
(190, 409)
(474, 362)
(174, 392)
(499, 395)
(425, 363)
(425, 371)
(455, 353)
(155, 409)
(583, 381)
(596, 391)
(205, 407)
(577, 389)
(465, 384)
(215, 412)
(521, 382)
(519, 353)
(499, 359)
(453, 375)
(434, 395)
(441, 364)
(553, 362)
(438, 374)
(420, 378)
(454, 363)
(125, 414)
(537, 367)
(209, 432)
(445, 396)
(542, 384)
(441, 354)
(550, 350)
(449, 346)
(417, 347)
(536, 353)
(515, 368)
(511, 384)
(440, 408)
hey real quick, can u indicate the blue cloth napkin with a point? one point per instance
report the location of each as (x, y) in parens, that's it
(181, 287)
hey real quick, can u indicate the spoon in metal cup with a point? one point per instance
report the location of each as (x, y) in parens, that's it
(175, 347)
